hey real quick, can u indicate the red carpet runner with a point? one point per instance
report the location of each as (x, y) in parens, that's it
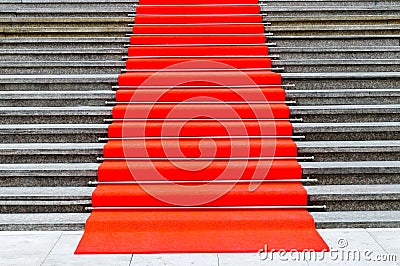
(200, 156)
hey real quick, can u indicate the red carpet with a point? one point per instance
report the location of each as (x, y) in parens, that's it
(200, 144)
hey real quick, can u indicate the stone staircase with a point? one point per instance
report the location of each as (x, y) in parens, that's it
(59, 60)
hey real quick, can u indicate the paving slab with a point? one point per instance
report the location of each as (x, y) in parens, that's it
(388, 239)
(29, 248)
(63, 254)
(175, 259)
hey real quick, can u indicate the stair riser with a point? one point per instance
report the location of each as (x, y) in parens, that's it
(99, 119)
(57, 87)
(28, 208)
(336, 55)
(301, 84)
(351, 136)
(71, 34)
(41, 227)
(54, 119)
(120, 11)
(81, 226)
(79, 207)
(93, 137)
(356, 179)
(316, 68)
(80, 157)
(362, 205)
(110, 56)
(329, 42)
(60, 45)
(50, 158)
(82, 180)
(332, 32)
(72, 13)
(56, 102)
(53, 138)
(65, 6)
(340, 21)
(328, 12)
(52, 24)
(124, 21)
(125, 5)
(299, 101)
(116, 56)
(310, 84)
(60, 70)
(100, 101)
(345, 100)
(46, 181)
(349, 118)
(352, 156)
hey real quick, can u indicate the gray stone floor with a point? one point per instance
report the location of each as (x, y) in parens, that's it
(350, 247)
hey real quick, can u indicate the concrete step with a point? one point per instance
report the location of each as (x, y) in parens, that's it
(55, 115)
(342, 53)
(310, 10)
(303, 81)
(55, 98)
(83, 21)
(32, 5)
(97, 114)
(357, 172)
(344, 96)
(333, 19)
(65, 21)
(109, 67)
(357, 219)
(77, 11)
(80, 82)
(346, 113)
(57, 133)
(316, 30)
(15, 4)
(50, 152)
(117, 42)
(88, 152)
(96, 54)
(123, 11)
(338, 65)
(348, 131)
(356, 197)
(44, 199)
(343, 80)
(323, 151)
(79, 174)
(76, 221)
(335, 41)
(72, 133)
(285, 53)
(104, 31)
(48, 175)
(60, 67)
(60, 43)
(75, 199)
(98, 98)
